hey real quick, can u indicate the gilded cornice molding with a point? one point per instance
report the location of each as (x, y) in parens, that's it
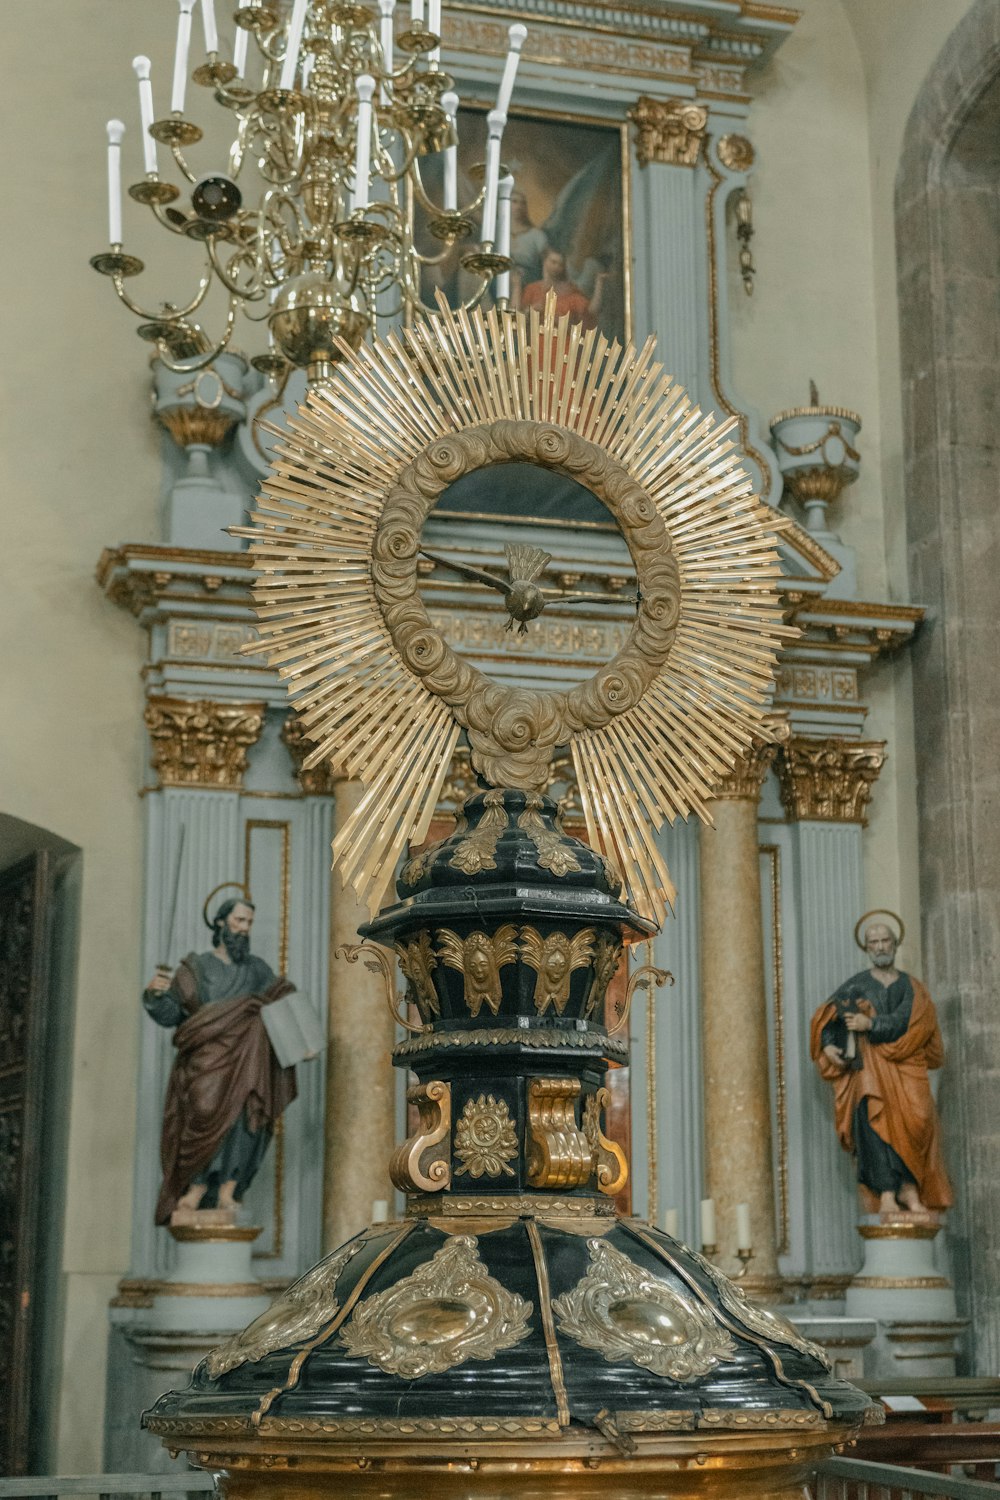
(829, 780)
(198, 742)
(316, 781)
(670, 131)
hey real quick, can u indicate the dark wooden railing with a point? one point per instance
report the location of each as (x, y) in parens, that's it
(106, 1486)
(854, 1479)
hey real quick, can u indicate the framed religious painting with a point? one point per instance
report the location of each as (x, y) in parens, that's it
(570, 216)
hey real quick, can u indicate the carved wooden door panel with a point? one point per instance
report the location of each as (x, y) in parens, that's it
(24, 909)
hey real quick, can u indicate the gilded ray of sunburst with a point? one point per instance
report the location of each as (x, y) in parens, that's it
(382, 694)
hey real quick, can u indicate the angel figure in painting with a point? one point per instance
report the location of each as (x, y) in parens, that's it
(875, 1040)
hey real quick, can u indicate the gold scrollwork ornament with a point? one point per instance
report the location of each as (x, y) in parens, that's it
(377, 961)
(555, 959)
(479, 958)
(420, 1164)
(609, 1158)
(418, 961)
(485, 1138)
(625, 1313)
(448, 1311)
(769, 1325)
(476, 851)
(607, 956)
(559, 1154)
(550, 845)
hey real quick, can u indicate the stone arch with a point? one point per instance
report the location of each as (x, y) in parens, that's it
(948, 268)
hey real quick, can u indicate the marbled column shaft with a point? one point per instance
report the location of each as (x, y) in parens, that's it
(360, 1127)
(737, 1109)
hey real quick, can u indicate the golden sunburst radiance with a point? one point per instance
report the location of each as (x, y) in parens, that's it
(381, 693)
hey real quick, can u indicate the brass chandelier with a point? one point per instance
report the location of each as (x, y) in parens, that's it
(309, 229)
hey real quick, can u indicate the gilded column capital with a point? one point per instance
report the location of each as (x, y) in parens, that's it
(198, 742)
(317, 781)
(829, 780)
(744, 781)
(668, 130)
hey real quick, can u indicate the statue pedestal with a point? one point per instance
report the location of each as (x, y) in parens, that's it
(901, 1287)
(212, 1285)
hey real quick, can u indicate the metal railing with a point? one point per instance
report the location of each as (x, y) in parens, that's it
(134, 1486)
(854, 1479)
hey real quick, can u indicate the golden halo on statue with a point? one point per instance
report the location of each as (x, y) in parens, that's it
(879, 911)
(236, 885)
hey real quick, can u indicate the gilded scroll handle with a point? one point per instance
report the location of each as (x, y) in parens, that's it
(376, 961)
(644, 978)
(421, 1163)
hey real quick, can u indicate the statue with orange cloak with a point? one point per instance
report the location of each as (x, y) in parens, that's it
(875, 1040)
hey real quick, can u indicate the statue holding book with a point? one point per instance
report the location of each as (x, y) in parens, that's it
(228, 1085)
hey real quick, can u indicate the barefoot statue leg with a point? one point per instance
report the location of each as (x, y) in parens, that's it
(193, 1196)
(226, 1191)
(909, 1197)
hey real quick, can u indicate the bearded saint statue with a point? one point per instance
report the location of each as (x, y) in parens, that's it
(874, 1040)
(226, 1088)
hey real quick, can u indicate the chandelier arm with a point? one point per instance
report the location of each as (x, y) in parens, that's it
(412, 149)
(191, 366)
(275, 402)
(224, 273)
(161, 214)
(159, 316)
(420, 192)
(178, 156)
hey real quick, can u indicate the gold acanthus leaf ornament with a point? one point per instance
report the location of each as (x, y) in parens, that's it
(335, 546)
(479, 958)
(448, 1311)
(417, 960)
(485, 1138)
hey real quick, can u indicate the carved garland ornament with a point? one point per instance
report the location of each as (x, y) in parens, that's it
(626, 1314)
(448, 1311)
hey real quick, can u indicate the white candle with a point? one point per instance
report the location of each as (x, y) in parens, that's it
(208, 25)
(449, 103)
(115, 132)
(386, 8)
(380, 1210)
(503, 231)
(416, 13)
(671, 1222)
(708, 1221)
(293, 44)
(515, 38)
(365, 85)
(434, 26)
(240, 46)
(744, 1237)
(141, 69)
(181, 56)
(496, 122)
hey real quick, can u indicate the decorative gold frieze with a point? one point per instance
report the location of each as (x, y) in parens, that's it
(318, 780)
(485, 1138)
(418, 961)
(668, 130)
(624, 1313)
(421, 1164)
(299, 1313)
(476, 851)
(197, 742)
(509, 1036)
(552, 851)
(555, 959)
(736, 153)
(829, 780)
(559, 1154)
(609, 1158)
(448, 1311)
(479, 958)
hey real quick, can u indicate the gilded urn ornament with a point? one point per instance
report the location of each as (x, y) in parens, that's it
(513, 1333)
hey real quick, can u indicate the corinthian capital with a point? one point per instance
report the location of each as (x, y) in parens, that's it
(317, 781)
(746, 778)
(829, 780)
(197, 742)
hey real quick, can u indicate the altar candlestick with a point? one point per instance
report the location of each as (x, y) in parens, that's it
(515, 36)
(449, 103)
(434, 27)
(115, 132)
(708, 1221)
(744, 1237)
(240, 46)
(291, 61)
(386, 8)
(141, 69)
(416, 13)
(503, 232)
(496, 122)
(365, 86)
(208, 26)
(671, 1222)
(181, 56)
